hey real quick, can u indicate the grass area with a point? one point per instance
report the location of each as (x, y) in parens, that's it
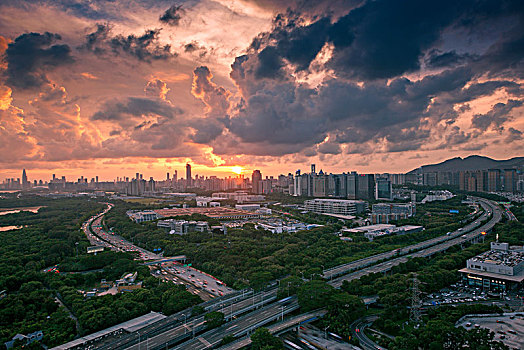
(144, 201)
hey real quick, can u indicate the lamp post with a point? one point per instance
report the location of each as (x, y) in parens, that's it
(325, 331)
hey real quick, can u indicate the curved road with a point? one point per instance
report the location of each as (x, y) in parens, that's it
(358, 264)
(474, 235)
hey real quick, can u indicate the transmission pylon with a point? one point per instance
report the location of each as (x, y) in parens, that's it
(414, 314)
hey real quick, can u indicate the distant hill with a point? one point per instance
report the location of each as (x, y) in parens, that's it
(471, 163)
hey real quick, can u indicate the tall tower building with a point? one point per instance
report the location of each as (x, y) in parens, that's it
(383, 189)
(313, 170)
(256, 181)
(188, 175)
(494, 183)
(366, 186)
(25, 183)
(510, 180)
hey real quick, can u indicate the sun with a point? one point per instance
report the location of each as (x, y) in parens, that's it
(237, 170)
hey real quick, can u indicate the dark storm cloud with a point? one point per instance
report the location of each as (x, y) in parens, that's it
(384, 39)
(269, 64)
(439, 59)
(31, 55)
(172, 15)
(496, 117)
(145, 47)
(133, 107)
(329, 148)
(380, 39)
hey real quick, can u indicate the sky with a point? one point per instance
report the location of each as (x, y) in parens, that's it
(111, 88)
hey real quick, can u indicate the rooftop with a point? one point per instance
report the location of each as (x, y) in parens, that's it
(508, 258)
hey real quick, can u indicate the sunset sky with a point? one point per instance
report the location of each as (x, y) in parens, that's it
(109, 88)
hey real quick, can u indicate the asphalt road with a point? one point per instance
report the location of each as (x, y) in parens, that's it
(387, 265)
(189, 324)
(358, 264)
(202, 282)
(239, 326)
(361, 325)
(275, 328)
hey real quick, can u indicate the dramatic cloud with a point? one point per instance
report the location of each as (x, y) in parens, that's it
(135, 107)
(514, 135)
(173, 15)
(31, 55)
(156, 88)
(145, 47)
(343, 83)
(496, 117)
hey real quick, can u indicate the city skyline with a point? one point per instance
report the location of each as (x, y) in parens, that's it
(106, 88)
(235, 171)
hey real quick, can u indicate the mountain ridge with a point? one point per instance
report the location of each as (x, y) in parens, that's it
(472, 162)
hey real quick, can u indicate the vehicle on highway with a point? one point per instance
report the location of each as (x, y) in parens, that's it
(292, 345)
(285, 300)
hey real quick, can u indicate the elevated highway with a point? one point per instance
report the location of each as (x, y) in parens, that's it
(472, 236)
(339, 270)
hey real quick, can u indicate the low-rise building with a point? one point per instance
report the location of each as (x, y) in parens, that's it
(499, 269)
(248, 207)
(142, 215)
(239, 196)
(182, 227)
(437, 196)
(382, 213)
(336, 206)
(25, 339)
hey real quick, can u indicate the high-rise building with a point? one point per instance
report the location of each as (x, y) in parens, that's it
(188, 175)
(494, 184)
(429, 179)
(352, 185)
(313, 171)
(383, 189)
(25, 183)
(256, 181)
(510, 180)
(366, 186)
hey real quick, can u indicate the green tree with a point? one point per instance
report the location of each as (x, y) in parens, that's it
(314, 294)
(214, 319)
(263, 340)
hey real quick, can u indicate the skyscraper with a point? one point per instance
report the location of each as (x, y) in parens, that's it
(510, 180)
(383, 189)
(366, 186)
(188, 175)
(494, 183)
(256, 179)
(25, 183)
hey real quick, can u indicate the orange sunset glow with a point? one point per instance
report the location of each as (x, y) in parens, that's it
(109, 89)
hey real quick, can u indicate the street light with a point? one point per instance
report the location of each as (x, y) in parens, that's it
(325, 330)
(185, 320)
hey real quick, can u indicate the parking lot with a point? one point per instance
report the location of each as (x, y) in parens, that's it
(455, 294)
(508, 329)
